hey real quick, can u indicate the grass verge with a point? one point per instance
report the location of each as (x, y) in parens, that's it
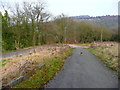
(107, 56)
(41, 77)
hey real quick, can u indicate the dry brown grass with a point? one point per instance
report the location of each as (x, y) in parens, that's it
(104, 44)
(24, 63)
(108, 52)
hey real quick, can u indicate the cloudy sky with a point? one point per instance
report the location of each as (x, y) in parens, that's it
(84, 7)
(80, 7)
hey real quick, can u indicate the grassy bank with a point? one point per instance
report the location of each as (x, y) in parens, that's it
(41, 77)
(108, 54)
(23, 64)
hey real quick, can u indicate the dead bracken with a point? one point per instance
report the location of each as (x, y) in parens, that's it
(24, 63)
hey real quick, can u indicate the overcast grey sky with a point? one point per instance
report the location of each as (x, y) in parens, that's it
(84, 7)
(80, 7)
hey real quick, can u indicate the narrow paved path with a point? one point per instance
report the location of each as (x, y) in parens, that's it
(85, 71)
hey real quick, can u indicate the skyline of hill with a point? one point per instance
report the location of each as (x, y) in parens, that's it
(108, 21)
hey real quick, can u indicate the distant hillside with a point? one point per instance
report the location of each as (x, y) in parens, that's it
(107, 21)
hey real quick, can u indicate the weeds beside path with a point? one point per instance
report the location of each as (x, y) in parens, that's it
(41, 77)
(23, 64)
(108, 54)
